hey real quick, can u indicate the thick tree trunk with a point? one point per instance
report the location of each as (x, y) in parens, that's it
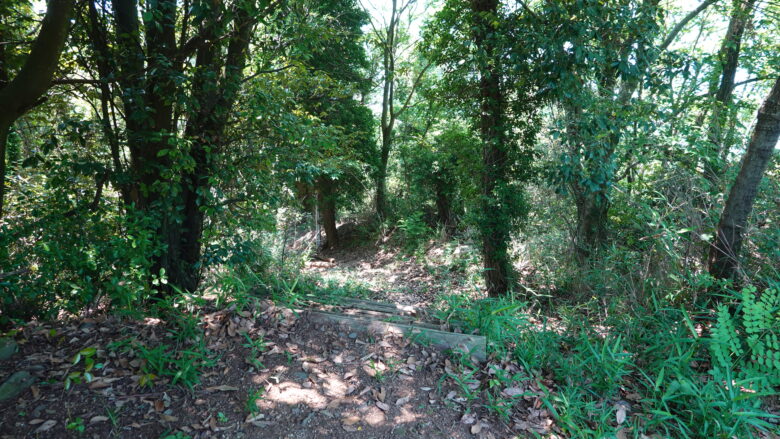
(724, 253)
(205, 128)
(494, 220)
(327, 205)
(24, 91)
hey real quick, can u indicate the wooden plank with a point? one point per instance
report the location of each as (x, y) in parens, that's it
(367, 304)
(474, 344)
(385, 317)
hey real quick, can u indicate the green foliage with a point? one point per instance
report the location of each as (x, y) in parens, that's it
(252, 399)
(746, 343)
(256, 348)
(415, 232)
(181, 357)
(76, 425)
(653, 354)
(75, 377)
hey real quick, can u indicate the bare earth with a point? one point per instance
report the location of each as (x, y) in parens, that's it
(319, 382)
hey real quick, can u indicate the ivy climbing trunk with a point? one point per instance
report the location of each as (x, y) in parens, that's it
(35, 76)
(172, 171)
(724, 252)
(494, 220)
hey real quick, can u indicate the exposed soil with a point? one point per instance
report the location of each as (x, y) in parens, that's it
(318, 382)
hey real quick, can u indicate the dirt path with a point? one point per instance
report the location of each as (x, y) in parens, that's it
(314, 382)
(389, 274)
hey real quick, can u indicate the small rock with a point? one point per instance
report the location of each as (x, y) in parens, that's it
(8, 347)
(15, 385)
(300, 376)
(86, 327)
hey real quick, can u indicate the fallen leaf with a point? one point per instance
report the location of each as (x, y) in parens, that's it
(513, 391)
(381, 394)
(382, 406)
(101, 383)
(46, 426)
(476, 428)
(620, 415)
(350, 420)
(402, 401)
(96, 419)
(168, 418)
(468, 418)
(36, 421)
(333, 404)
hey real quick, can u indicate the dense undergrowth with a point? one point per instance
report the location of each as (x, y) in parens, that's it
(606, 366)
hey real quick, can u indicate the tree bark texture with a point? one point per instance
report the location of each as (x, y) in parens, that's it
(494, 221)
(724, 252)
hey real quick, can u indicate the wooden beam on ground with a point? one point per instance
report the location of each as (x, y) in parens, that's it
(475, 345)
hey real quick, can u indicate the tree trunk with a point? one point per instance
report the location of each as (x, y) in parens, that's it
(444, 209)
(381, 182)
(5, 128)
(728, 60)
(724, 253)
(205, 127)
(327, 203)
(24, 91)
(494, 221)
(592, 216)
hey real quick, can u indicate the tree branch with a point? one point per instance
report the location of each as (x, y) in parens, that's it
(414, 87)
(679, 26)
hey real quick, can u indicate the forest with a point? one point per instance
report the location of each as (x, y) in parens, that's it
(390, 219)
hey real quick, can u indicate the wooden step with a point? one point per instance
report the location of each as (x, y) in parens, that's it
(474, 344)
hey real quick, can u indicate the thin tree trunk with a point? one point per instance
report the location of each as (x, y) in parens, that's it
(5, 128)
(327, 207)
(724, 253)
(387, 119)
(728, 58)
(381, 183)
(97, 35)
(444, 210)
